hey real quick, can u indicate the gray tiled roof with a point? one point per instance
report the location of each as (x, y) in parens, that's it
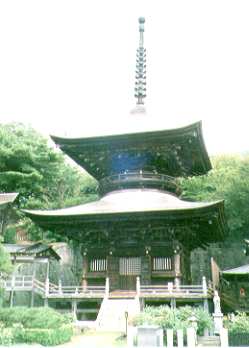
(238, 270)
(7, 198)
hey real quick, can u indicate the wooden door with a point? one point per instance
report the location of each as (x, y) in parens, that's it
(129, 269)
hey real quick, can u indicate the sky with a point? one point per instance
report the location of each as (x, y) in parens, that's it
(68, 67)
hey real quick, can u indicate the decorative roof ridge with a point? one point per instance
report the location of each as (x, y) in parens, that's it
(140, 77)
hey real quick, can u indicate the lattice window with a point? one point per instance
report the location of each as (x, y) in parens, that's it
(162, 264)
(130, 266)
(98, 265)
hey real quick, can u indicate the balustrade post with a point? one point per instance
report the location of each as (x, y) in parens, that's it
(12, 290)
(138, 287)
(204, 286)
(47, 287)
(107, 286)
(60, 286)
(170, 287)
(13, 280)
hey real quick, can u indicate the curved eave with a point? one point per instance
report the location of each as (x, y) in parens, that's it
(210, 212)
(124, 140)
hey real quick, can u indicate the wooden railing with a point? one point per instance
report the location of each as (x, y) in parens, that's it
(55, 290)
(48, 289)
(18, 283)
(172, 291)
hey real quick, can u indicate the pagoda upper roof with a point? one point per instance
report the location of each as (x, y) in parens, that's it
(175, 152)
(137, 205)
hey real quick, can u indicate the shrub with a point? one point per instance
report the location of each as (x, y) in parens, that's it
(34, 325)
(47, 337)
(178, 318)
(33, 318)
(239, 324)
(6, 336)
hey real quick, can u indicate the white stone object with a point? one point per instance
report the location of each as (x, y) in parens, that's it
(224, 338)
(216, 300)
(191, 337)
(169, 338)
(218, 322)
(160, 340)
(131, 334)
(148, 336)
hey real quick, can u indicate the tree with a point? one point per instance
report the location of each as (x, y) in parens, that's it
(5, 263)
(229, 181)
(40, 174)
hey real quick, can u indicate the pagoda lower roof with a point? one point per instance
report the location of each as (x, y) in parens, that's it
(175, 152)
(137, 207)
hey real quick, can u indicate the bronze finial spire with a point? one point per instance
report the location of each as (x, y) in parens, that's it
(140, 83)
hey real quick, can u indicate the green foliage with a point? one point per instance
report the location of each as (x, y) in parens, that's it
(6, 335)
(5, 263)
(33, 318)
(34, 325)
(178, 318)
(229, 181)
(46, 337)
(40, 174)
(239, 324)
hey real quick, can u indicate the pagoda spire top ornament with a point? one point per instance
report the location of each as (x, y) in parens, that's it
(140, 77)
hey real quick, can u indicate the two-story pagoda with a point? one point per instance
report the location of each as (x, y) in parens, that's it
(139, 227)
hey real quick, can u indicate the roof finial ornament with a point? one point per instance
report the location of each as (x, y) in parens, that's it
(140, 82)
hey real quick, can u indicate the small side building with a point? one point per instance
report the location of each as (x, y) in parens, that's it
(235, 288)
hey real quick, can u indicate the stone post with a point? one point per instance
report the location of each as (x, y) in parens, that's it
(217, 315)
(191, 337)
(170, 338)
(180, 338)
(224, 338)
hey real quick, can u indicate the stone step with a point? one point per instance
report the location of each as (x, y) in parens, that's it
(112, 313)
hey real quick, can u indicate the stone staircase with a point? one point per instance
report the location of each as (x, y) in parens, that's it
(111, 315)
(208, 341)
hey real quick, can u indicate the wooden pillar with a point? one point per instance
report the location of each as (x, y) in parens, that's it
(47, 271)
(12, 290)
(74, 309)
(146, 270)
(186, 267)
(33, 285)
(177, 268)
(84, 271)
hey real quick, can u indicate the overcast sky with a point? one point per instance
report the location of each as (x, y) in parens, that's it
(67, 67)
